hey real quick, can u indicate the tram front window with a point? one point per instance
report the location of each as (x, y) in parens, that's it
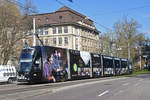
(25, 62)
(25, 66)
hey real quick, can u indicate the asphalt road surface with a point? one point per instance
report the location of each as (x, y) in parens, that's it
(133, 88)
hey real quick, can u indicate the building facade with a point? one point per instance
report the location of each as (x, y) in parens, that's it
(66, 28)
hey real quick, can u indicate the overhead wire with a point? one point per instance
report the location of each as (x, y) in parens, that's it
(125, 10)
(59, 2)
(103, 26)
(120, 11)
(15, 2)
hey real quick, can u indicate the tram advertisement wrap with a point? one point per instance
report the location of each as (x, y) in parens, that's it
(55, 58)
(80, 64)
(96, 63)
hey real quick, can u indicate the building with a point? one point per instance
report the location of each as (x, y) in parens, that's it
(67, 28)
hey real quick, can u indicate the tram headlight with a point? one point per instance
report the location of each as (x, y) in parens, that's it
(34, 74)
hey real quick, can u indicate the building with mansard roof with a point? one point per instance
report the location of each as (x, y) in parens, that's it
(66, 28)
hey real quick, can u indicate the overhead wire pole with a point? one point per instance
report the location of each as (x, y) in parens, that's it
(140, 59)
(34, 37)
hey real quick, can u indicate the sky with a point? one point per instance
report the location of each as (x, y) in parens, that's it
(104, 12)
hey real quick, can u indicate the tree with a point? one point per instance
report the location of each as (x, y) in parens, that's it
(13, 28)
(127, 36)
(105, 44)
(130, 41)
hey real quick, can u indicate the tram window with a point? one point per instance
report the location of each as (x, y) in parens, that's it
(38, 62)
(108, 63)
(117, 64)
(96, 61)
(124, 64)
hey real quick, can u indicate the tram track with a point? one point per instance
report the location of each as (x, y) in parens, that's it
(27, 87)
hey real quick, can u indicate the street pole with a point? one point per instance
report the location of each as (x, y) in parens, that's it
(128, 50)
(111, 54)
(34, 37)
(111, 43)
(140, 59)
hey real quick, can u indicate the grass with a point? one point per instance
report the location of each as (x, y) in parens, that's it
(138, 72)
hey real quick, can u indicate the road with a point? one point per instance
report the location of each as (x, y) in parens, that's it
(133, 88)
(23, 90)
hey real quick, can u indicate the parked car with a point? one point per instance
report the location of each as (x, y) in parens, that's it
(7, 73)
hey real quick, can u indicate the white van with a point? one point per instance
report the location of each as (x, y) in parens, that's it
(7, 73)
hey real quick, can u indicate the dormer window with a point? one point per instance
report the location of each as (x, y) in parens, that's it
(60, 17)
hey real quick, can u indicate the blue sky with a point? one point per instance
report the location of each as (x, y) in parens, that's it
(104, 12)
